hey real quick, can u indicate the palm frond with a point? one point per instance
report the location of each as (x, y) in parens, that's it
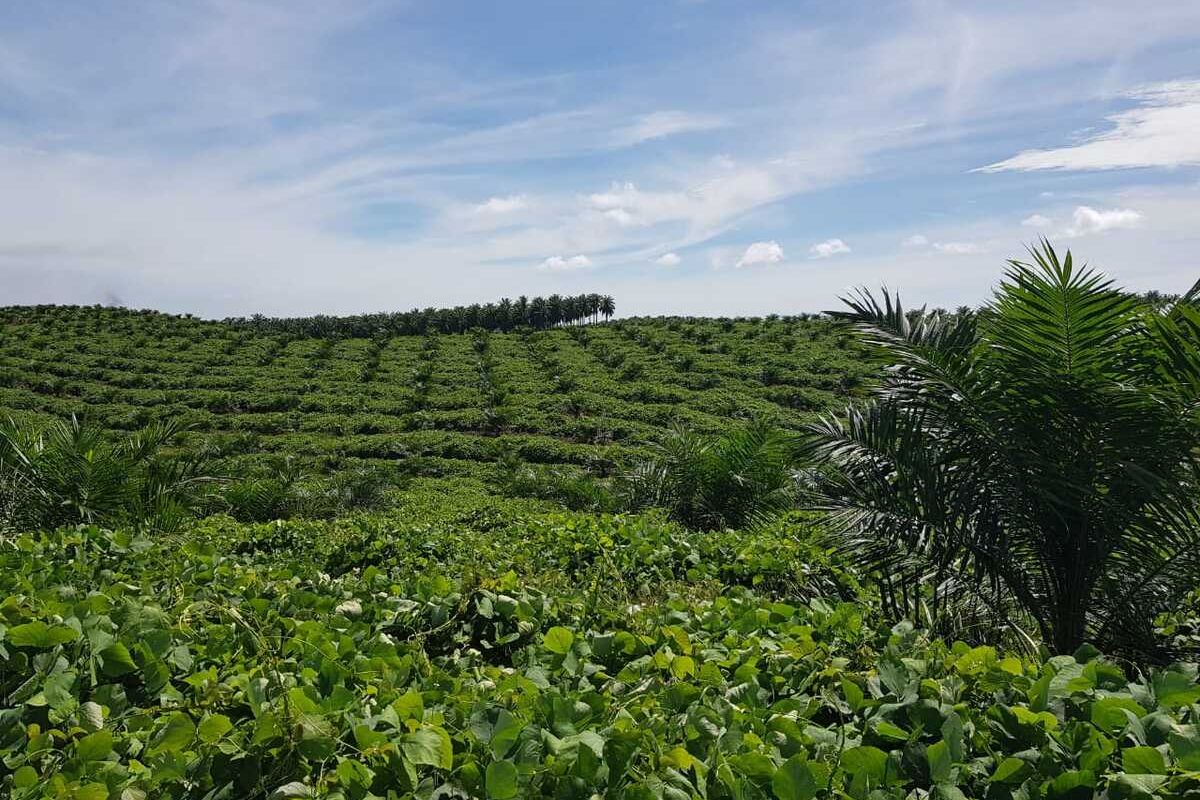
(1043, 460)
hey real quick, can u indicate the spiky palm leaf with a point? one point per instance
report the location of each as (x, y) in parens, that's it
(1040, 458)
(734, 480)
(68, 472)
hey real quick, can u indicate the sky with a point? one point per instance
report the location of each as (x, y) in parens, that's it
(229, 157)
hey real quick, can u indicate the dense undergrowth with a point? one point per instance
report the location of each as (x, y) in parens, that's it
(460, 647)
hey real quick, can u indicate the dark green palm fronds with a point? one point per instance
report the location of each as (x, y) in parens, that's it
(1039, 458)
(68, 472)
(730, 481)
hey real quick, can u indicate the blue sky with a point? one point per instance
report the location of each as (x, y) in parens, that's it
(231, 157)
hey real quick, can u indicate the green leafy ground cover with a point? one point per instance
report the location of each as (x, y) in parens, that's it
(461, 646)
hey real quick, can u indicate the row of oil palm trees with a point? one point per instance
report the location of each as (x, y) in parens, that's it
(68, 472)
(505, 315)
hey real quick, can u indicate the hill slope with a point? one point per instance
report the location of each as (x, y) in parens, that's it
(442, 404)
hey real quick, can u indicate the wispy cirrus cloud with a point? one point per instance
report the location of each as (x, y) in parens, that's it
(957, 248)
(503, 205)
(660, 124)
(323, 155)
(1164, 131)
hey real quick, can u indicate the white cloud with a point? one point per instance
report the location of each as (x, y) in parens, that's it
(262, 171)
(503, 205)
(1037, 221)
(761, 253)
(1088, 220)
(668, 260)
(957, 248)
(827, 248)
(1163, 132)
(916, 240)
(628, 206)
(622, 217)
(563, 263)
(666, 123)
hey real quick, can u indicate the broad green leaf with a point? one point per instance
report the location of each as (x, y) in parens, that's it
(755, 765)
(91, 791)
(176, 735)
(683, 667)
(504, 733)
(40, 635)
(940, 762)
(853, 694)
(430, 746)
(95, 746)
(679, 758)
(59, 691)
(410, 705)
(1143, 761)
(91, 716)
(354, 773)
(976, 661)
(589, 739)
(1108, 713)
(870, 762)
(25, 777)
(948, 791)
(1173, 689)
(116, 660)
(1073, 785)
(1041, 718)
(1185, 747)
(893, 675)
(291, 791)
(501, 780)
(559, 640)
(952, 733)
(1012, 666)
(213, 727)
(1011, 770)
(794, 780)
(889, 731)
(1124, 786)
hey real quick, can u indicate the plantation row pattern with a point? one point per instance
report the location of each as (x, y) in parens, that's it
(580, 397)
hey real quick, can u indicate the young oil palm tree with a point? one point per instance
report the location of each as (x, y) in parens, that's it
(1038, 459)
(68, 472)
(707, 483)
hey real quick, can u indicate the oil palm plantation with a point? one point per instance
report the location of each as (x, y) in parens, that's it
(1037, 462)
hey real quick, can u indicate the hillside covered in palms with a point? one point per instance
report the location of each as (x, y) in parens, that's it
(522, 549)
